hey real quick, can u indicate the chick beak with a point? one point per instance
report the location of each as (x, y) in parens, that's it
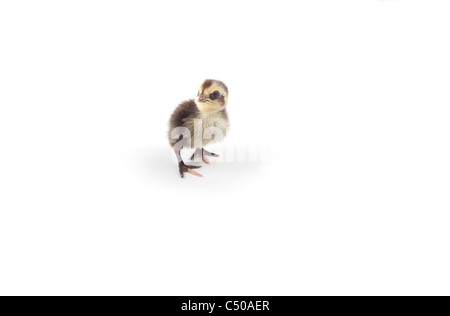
(202, 98)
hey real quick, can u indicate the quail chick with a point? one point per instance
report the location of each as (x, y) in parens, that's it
(193, 120)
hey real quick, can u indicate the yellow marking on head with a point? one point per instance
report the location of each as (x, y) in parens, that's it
(212, 106)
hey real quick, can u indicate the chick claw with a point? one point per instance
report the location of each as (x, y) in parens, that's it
(187, 168)
(204, 153)
(208, 153)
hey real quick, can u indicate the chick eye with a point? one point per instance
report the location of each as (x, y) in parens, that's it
(214, 95)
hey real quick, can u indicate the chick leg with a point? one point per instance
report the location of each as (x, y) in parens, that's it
(186, 168)
(197, 153)
(204, 153)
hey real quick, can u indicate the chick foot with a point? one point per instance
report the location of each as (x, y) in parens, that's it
(208, 153)
(188, 168)
(204, 153)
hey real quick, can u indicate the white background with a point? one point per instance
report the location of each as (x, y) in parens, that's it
(349, 98)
